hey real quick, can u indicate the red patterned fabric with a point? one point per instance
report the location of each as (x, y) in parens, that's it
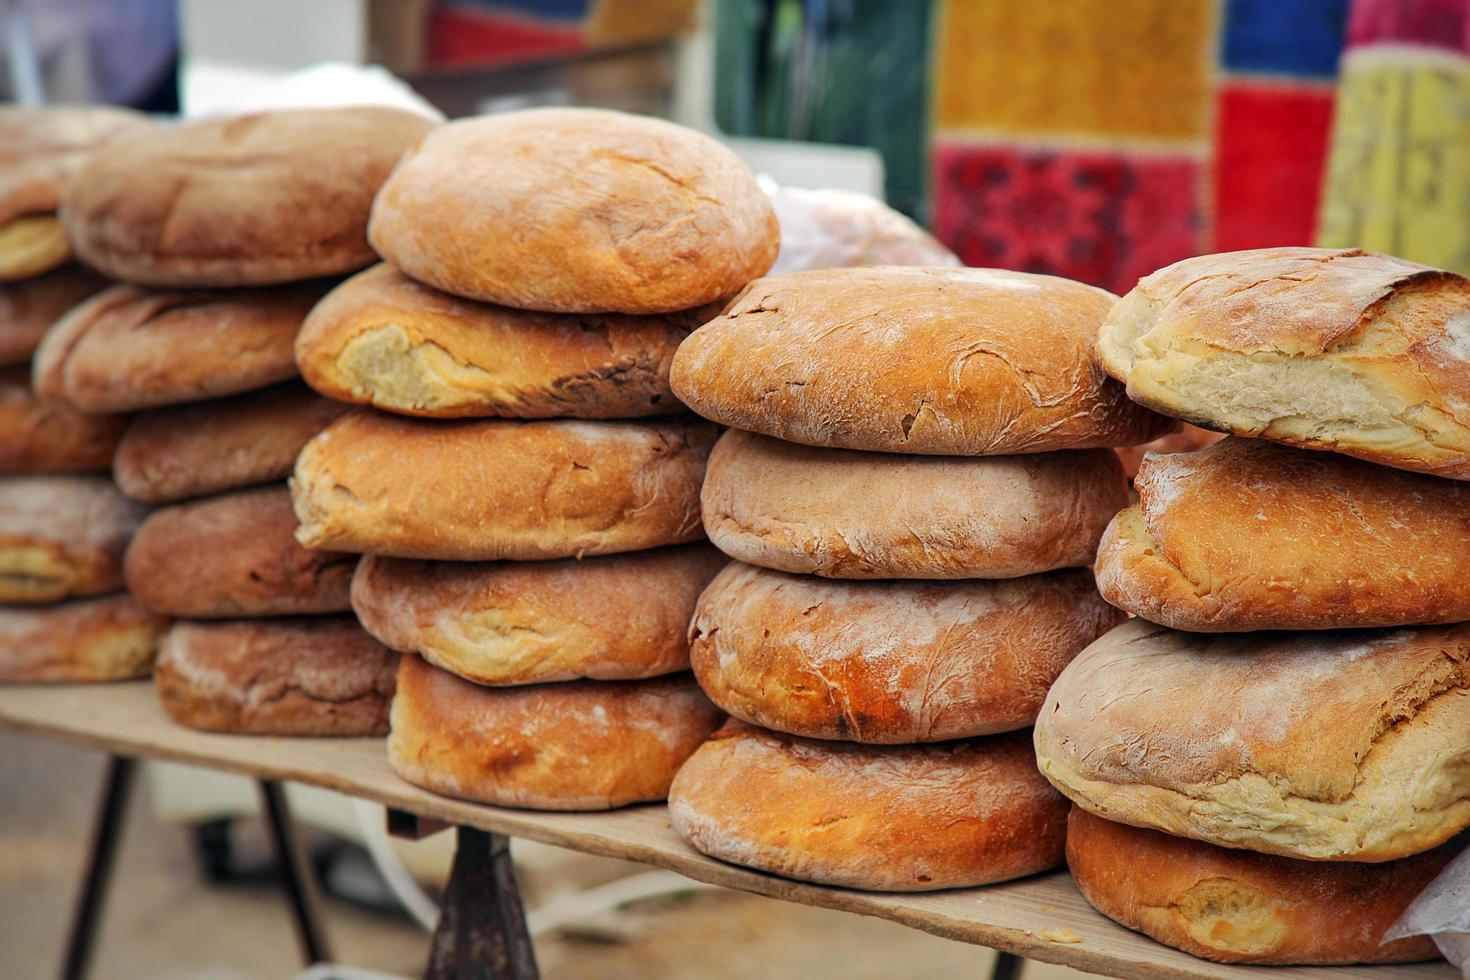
(1435, 23)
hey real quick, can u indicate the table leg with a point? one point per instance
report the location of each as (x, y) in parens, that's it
(1007, 967)
(296, 875)
(106, 829)
(482, 932)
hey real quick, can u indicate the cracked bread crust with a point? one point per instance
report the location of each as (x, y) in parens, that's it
(1332, 746)
(901, 818)
(1248, 535)
(1331, 349)
(500, 489)
(935, 361)
(316, 676)
(108, 638)
(1238, 907)
(801, 509)
(576, 211)
(382, 339)
(62, 536)
(889, 662)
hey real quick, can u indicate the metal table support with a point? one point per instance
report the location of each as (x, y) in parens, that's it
(482, 933)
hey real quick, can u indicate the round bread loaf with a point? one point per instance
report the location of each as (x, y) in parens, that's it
(246, 201)
(62, 536)
(889, 662)
(512, 623)
(881, 818)
(234, 555)
(1238, 907)
(40, 436)
(963, 362)
(183, 451)
(128, 348)
(29, 308)
(382, 339)
(110, 638)
(317, 676)
(1336, 349)
(1248, 535)
(580, 745)
(1187, 439)
(845, 514)
(831, 229)
(1343, 746)
(576, 211)
(487, 490)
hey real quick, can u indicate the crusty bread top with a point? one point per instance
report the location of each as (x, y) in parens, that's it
(967, 362)
(42, 436)
(1334, 349)
(108, 638)
(62, 536)
(28, 308)
(382, 339)
(249, 200)
(41, 147)
(576, 211)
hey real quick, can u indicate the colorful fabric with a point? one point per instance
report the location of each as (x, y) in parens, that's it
(483, 32)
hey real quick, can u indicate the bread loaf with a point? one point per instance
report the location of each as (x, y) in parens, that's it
(1187, 439)
(831, 229)
(62, 536)
(108, 638)
(29, 308)
(41, 436)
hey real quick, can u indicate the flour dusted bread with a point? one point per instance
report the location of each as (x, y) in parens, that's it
(250, 200)
(1335, 349)
(1249, 535)
(618, 617)
(830, 229)
(845, 514)
(108, 638)
(1347, 745)
(62, 536)
(880, 818)
(576, 211)
(129, 348)
(579, 745)
(1238, 907)
(889, 662)
(29, 308)
(317, 676)
(937, 361)
(234, 555)
(383, 339)
(1187, 439)
(487, 490)
(183, 451)
(42, 436)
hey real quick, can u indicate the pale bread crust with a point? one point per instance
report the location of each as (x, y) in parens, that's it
(108, 638)
(936, 361)
(1344, 746)
(506, 623)
(889, 662)
(42, 436)
(831, 229)
(1334, 349)
(880, 818)
(62, 536)
(802, 509)
(500, 489)
(576, 211)
(29, 308)
(320, 676)
(32, 246)
(1237, 907)
(1249, 535)
(579, 745)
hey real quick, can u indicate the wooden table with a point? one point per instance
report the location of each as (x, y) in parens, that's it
(1042, 918)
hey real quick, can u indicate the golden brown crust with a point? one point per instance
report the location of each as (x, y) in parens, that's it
(576, 211)
(1248, 535)
(41, 436)
(801, 509)
(1237, 907)
(40, 148)
(129, 348)
(489, 490)
(110, 638)
(170, 454)
(882, 818)
(580, 745)
(382, 339)
(320, 676)
(938, 361)
(250, 200)
(889, 662)
(234, 555)
(32, 246)
(62, 536)
(511, 622)
(1326, 746)
(1335, 349)
(29, 308)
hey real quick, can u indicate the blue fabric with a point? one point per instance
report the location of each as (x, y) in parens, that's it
(1301, 38)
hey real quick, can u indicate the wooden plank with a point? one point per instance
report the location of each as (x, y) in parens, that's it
(1016, 916)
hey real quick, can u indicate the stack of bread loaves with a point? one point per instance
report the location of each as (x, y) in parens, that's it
(63, 526)
(222, 230)
(1280, 797)
(916, 479)
(522, 483)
